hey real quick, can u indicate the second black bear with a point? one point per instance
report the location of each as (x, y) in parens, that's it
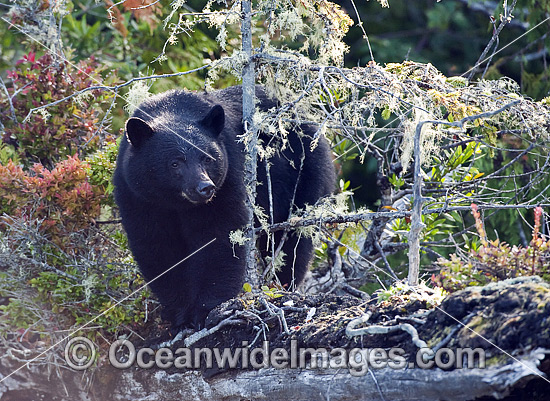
(179, 184)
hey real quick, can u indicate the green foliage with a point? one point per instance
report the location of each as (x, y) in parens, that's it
(495, 260)
(345, 150)
(62, 130)
(87, 36)
(448, 167)
(74, 296)
(437, 226)
(401, 292)
(532, 179)
(120, 239)
(101, 169)
(7, 153)
(17, 314)
(396, 181)
(455, 166)
(271, 292)
(90, 297)
(536, 85)
(386, 113)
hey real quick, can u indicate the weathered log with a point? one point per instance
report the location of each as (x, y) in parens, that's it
(270, 384)
(512, 317)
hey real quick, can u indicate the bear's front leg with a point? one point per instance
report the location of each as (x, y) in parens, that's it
(212, 277)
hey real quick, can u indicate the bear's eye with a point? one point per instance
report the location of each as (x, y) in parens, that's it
(208, 160)
(175, 164)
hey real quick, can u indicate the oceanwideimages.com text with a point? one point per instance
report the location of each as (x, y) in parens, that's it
(123, 354)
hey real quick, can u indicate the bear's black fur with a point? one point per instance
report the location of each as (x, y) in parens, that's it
(179, 184)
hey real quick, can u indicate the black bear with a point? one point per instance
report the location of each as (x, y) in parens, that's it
(179, 185)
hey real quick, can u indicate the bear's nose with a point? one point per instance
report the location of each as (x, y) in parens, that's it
(206, 189)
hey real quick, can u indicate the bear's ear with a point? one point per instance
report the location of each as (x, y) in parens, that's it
(214, 120)
(137, 131)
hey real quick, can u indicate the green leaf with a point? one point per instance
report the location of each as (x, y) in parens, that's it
(386, 113)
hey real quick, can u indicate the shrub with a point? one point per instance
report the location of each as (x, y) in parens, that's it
(64, 129)
(62, 199)
(101, 169)
(495, 260)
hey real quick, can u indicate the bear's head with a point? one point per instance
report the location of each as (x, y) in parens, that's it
(174, 158)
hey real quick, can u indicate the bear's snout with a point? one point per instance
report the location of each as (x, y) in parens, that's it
(206, 189)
